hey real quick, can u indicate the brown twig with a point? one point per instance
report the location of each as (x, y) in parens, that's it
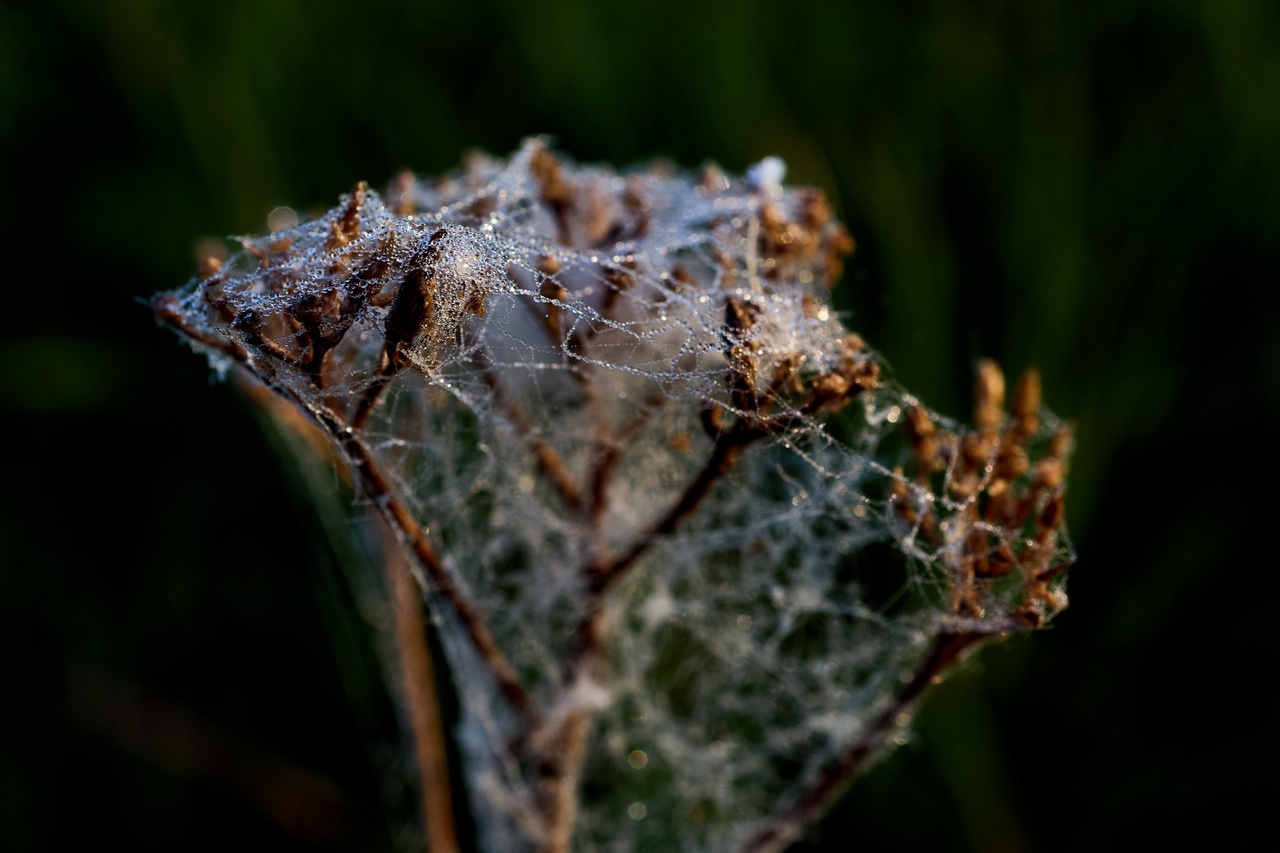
(548, 459)
(836, 776)
(417, 676)
(564, 763)
(375, 484)
(601, 574)
(167, 311)
(379, 490)
(386, 371)
(560, 778)
(425, 724)
(563, 752)
(725, 453)
(610, 453)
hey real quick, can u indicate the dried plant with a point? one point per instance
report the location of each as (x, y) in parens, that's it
(693, 555)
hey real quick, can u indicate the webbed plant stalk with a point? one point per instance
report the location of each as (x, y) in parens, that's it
(693, 555)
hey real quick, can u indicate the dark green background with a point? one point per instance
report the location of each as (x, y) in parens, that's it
(1090, 187)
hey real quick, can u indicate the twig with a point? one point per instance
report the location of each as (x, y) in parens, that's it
(560, 774)
(167, 311)
(548, 459)
(364, 465)
(836, 776)
(379, 490)
(417, 676)
(386, 371)
(568, 744)
(425, 723)
(724, 455)
(610, 453)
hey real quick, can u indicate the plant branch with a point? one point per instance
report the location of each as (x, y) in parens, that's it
(418, 677)
(385, 372)
(787, 826)
(560, 772)
(565, 759)
(548, 459)
(378, 488)
(366, 469)
(610, 453)
(724, 455)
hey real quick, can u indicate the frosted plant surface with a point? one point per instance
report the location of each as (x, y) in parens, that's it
(694, 555)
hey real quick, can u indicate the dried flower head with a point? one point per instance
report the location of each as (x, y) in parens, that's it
(648, 478)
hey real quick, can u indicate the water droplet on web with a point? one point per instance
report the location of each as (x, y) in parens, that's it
(282, 219)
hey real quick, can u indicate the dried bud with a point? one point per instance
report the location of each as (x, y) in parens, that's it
(988, 408)
(546, 169)
(1060, 445)
(864, 374)
(346, 227)
(1052, 514)
(975, 450)
(921, 435)
(739, 315)
(400, 193)
(1012, 462)
(1049, 474)
(712, 179)
(209, 267)
(549, 264)
(853, 342)
(1001, 562)
(1026, 402)
(830, 385)
(786, 376)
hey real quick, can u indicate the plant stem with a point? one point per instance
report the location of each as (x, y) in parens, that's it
(423, 706)
(549, 461)
(728, 448)
(787, 826)
(377, 486)
(561, 805)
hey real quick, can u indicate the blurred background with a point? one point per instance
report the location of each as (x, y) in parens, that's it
(1093, 188)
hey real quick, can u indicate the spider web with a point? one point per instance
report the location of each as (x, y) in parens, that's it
(543, 357)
